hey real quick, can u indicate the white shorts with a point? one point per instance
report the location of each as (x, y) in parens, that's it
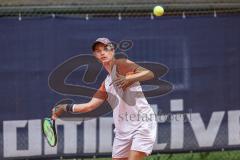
(141, 140)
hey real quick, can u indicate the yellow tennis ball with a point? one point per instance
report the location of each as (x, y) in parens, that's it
(158, 10)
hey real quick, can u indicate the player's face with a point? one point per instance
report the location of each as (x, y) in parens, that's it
(103, 53)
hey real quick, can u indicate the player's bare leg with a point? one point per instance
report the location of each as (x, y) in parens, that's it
(136, 155)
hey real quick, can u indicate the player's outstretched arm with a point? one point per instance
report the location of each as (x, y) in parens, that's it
(98, 98)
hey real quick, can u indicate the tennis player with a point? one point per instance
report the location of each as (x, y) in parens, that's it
(135, 125)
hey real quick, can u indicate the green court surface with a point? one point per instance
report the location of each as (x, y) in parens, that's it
(220, 155)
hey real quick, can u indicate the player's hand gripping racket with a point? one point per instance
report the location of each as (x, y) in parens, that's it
(49, 131)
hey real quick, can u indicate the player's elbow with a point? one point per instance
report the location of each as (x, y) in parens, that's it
(151, 75)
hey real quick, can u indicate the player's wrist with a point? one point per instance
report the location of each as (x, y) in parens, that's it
(68, 108)
(131, 79)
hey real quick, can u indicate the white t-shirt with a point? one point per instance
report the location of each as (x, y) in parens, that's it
(130, 107)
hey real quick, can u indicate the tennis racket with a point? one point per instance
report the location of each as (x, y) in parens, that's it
(49, 131)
